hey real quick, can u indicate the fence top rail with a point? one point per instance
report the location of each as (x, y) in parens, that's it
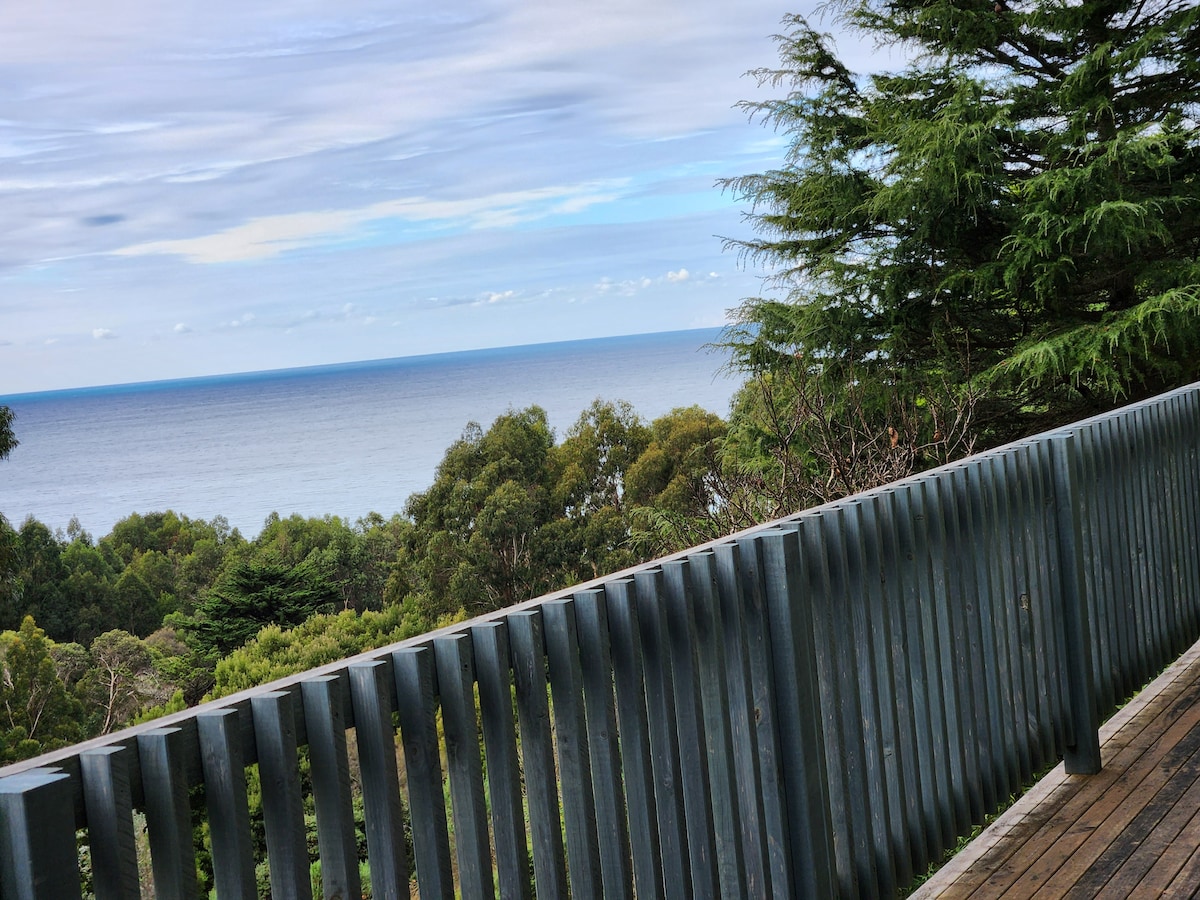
(67, 758)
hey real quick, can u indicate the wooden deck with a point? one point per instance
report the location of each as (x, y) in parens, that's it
(1133, 830)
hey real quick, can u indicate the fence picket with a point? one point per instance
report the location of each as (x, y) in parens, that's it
(634, 732)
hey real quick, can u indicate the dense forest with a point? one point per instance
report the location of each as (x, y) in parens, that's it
(1002, 236)
(165, 610)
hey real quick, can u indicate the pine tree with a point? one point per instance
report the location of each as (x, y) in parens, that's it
(1017, 208)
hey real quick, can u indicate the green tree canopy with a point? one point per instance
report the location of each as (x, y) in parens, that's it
(37, 711)
(1017, 206)
(8, 440)
(473, 542)
(251, 595)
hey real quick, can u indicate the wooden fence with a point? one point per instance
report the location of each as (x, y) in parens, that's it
(815, 708)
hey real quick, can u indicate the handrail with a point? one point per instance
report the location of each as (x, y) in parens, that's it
(819, 706)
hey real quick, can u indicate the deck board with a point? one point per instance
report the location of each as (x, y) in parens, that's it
(1132, 830)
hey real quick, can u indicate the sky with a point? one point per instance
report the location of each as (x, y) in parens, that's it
(196, 188)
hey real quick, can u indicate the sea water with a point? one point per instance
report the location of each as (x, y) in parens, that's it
(342, 440)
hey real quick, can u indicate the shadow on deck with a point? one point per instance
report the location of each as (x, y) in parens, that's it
(1133, 830)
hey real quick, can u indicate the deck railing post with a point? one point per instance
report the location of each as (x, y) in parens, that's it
(1082, 756)
(37, 836)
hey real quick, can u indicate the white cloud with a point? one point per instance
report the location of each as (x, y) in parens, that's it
(182, 328)
(676, 277)
(101, 334)
(268, 236)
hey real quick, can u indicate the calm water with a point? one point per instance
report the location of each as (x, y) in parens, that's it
(347, 439)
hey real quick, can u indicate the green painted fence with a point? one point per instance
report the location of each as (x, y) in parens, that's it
(818, 707)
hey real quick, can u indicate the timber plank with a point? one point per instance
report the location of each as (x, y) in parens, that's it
(1150, 784)
(1072, 825)
(1187, 882)
(1117, 813)
(1013, 832)
(1159, 879)
(1136, 855)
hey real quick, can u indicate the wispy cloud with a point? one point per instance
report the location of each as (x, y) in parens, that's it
(268, 236)
(484, 172)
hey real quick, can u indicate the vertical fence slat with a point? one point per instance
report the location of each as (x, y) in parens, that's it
(416, 681)
(863, 608)
(827, 635)
(371, 701)
(1138, 584)
(664, 739)
(1036, 603)
(985, 675)
(1157, 498)
(713, 677)
(591, 617)
(455, 662)
(960, 583)
(1057, 641)
(892, 834)
(979, 673)
(761, 665)
(693, 742)
(108, 800)
(909, 726)
(1187, 442)
(490, 640)
(1105, 628)
(951, 650)
(283, 807)
(324, 700)
(570, 727)
(625, 647)
(1008, 607)
(1017, 603)
(1145, 491)
(927, 644)
(979, 520)
(1083, 754)
(224, 767)
(1177, 500)
(994, 592)
(37, 836)
(526, 642)
(1116, 554)
(1173, 551)
(830, 555)
(748, 783)
(912, 600)
(168, 816)
(798, 713)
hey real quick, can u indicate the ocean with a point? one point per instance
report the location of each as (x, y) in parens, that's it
(344, 440)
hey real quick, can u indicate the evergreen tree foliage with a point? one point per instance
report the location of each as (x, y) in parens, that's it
(251, 595)
(38, 711)
(277, 652)
(1017, 206)
(8, 440)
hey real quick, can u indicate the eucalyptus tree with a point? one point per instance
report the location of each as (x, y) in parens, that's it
(1015, 207)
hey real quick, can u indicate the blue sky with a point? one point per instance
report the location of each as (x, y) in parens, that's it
(194, 188)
